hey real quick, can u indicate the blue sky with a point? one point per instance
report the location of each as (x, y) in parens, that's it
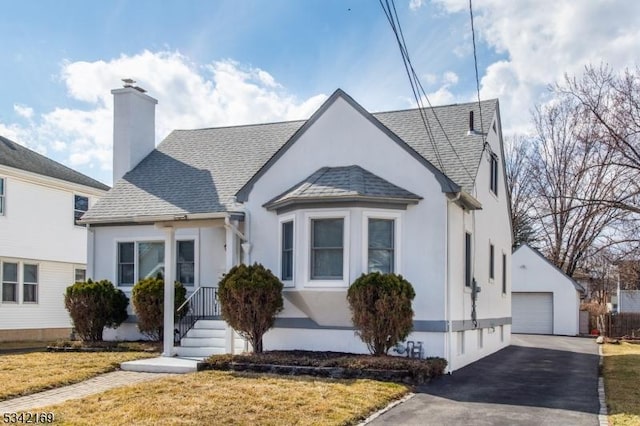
(233, 62)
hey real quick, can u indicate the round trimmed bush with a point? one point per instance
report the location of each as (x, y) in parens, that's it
(381, 310)
(148, 302)
(250, 298)
(94, 305)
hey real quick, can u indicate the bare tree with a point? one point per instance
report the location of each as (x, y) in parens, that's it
(571, 174)
(612, 101)
(519, 176)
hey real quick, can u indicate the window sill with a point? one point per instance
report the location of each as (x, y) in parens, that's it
(326, 284)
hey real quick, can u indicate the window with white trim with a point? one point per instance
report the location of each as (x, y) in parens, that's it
(467, 259)
(491, 262)
(9, 282)
(126, 263)
(286, 254)
(493, 184)
(185, 268)
(80, 274)
(29, 283)
(381, 245)
(327, 249)
(2, 196)
(80, 207)
(504, 273)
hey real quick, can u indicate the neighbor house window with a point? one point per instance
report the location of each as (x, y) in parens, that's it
(126, 263)
(185, 268)
(467, 259)
(80, 206)
(504, 273)
(30, 283)
(327, 249)
(9, 282)
(491, 262)
(286, 266)
(2, 196)
(381, 248)
(80, 275)
(494, 174)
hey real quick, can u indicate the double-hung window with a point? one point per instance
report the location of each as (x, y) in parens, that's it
(2, 196)
(80, 207)
(381, 245)
(80, 275)
(126, 264)
(185, 268)
(327, 249)
(493, 184)
(491, 262)
(467, 259)
(504, 273)
(286, 255)
(30, 283)
(9, 282)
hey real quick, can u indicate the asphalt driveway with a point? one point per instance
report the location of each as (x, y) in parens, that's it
(538, 380)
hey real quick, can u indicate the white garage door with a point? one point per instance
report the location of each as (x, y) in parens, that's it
(532, 313)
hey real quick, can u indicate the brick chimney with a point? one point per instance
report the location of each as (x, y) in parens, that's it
(133, 127)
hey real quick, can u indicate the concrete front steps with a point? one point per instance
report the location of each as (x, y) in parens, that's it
(206, 338)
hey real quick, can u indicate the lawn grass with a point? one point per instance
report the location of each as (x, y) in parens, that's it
(622, 383)
(24, 374)
(217, 397)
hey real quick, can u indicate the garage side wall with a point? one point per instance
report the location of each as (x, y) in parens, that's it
(533, 274)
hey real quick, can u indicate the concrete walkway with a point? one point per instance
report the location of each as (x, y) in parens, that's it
(79, 390)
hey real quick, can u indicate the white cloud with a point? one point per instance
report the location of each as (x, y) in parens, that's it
(450, 77)
(189, 96)
(416, 4)
(23, 111)
(540, 41)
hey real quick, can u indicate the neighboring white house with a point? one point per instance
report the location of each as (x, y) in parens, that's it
(544, 300)
(43, 249)
(629, 301)
(319, 202)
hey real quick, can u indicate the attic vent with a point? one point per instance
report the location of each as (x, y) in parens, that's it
(471, 124)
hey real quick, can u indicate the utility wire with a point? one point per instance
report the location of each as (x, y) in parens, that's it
(416, 86)
(485, 144)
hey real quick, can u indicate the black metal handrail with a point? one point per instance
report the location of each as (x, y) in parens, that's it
(202, 304)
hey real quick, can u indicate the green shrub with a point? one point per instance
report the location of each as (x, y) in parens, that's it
(381, 310)
(250, 297)
(94, 305)
(148, 302)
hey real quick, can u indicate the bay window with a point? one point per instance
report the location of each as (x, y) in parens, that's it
(327, 249)
(381, 245)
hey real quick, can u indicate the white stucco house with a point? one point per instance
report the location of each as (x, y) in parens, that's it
(43, 248)
(319, 202)
(544, 299)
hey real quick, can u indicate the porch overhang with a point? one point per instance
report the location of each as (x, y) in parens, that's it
(168, 220)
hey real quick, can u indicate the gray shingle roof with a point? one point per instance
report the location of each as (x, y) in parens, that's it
(200, 171)
(343, 183)
(19, 157)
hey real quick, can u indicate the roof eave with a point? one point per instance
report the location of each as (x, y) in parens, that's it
(465, 200)
(340, 199)
(152, 219)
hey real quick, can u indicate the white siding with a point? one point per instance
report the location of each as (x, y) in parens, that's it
(49, 312)
(629, 301)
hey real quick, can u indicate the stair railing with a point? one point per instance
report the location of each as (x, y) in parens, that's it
(202, 304)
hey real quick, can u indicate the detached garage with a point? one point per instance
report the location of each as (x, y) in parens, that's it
(544, 300)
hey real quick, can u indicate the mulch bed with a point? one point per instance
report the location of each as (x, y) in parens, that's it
(333, 365)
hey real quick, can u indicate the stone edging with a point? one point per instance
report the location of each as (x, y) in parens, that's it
(387, 408)
(603, 413)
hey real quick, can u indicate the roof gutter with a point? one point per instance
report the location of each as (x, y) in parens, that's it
(464, 200)
(159, 218)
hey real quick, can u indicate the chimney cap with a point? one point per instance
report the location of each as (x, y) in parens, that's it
(129, 82)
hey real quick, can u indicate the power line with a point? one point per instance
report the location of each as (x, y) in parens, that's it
(416, 85)
(475, 62)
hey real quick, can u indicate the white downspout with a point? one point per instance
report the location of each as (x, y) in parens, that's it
(449, 339)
